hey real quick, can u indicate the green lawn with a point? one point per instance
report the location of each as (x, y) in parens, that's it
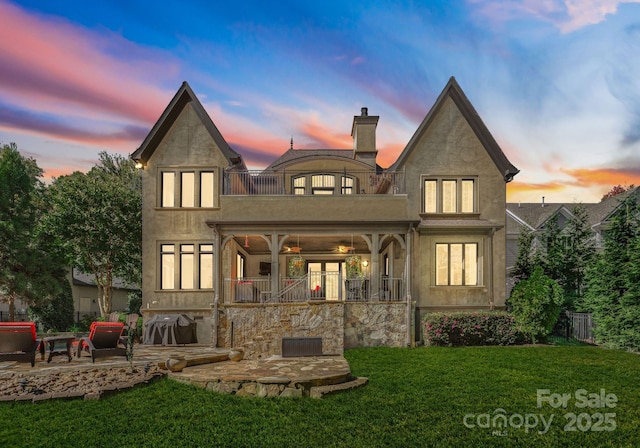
(415, 397)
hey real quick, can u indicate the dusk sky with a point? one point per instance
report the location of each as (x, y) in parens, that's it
(556, 82)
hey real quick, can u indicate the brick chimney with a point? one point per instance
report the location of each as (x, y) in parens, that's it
(363, 132)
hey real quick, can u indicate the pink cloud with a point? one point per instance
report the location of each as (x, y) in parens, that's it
(61, 66)
(566, 15)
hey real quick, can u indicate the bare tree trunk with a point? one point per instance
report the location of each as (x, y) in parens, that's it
(12, 308)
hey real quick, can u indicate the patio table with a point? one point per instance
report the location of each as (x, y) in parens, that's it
(51, 341)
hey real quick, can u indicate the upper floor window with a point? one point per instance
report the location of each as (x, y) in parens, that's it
(324, 184)
(299, 185)
(450, 195)
(193, 189)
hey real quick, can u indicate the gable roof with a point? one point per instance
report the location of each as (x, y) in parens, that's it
(183, 96)
(454, 91)
(536, 214)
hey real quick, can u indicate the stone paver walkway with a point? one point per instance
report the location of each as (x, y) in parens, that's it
(207, 367)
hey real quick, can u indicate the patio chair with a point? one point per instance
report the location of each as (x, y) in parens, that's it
(103, 341)
(18, 342)
(113, 317)
(131, 324)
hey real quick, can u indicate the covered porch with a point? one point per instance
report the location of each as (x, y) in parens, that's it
(292, 263)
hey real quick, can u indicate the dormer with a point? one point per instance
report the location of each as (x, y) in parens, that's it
(363, 132)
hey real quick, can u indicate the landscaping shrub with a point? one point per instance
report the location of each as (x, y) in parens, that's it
(56, 314)
(535, 304)
(478, 328)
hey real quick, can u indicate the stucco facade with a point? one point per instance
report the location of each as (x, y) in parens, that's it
(427, 233)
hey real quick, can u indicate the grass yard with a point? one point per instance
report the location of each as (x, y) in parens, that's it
(415, 397)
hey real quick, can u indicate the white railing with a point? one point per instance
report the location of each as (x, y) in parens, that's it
(313, 286)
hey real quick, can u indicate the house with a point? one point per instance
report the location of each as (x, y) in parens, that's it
(323, 243)
(85, 297)
(534, 217)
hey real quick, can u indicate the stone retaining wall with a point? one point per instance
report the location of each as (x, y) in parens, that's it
(259, 328)
(375, 324)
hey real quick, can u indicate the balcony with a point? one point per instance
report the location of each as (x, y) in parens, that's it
(283, 183)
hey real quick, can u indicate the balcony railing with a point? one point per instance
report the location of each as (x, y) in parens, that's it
(313, 286)
(256, 183)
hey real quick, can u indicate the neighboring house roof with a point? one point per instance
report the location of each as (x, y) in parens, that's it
(183, 96)
(80, 278)
(299, 155)
(454, 91)
(536, 214)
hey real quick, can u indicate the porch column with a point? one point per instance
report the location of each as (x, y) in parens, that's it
(275, 266)
(216, 286)
(375, 267)
(407, 273)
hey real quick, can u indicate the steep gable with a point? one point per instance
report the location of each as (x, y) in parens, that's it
(453, 91)
(181, 99)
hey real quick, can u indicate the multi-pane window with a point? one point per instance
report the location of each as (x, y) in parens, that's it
(190, 268)
(168, 262)
(168, 189)
(192, 188)
(347, 185)
(455, 195)
(206, 266)
(188, 197)
(457, 264)
(299, 185)
(323, 183)
(207, 189)
(186, 266)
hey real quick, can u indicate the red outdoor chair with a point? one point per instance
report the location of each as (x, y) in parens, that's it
(18, 342)
(103, 340)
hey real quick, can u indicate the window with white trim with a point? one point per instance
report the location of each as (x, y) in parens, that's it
(450, 195)
(456, 264)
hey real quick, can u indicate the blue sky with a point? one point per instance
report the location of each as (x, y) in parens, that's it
(556, 82)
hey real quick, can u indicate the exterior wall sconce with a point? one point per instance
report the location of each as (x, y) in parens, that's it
(139, 165)
(365, 263)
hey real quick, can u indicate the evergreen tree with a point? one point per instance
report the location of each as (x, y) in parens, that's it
(578, 254)
(612, 296)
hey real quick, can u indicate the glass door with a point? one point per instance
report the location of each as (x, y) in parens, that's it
(324, 279)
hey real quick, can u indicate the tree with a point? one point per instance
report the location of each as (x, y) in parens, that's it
(30, 269)
(618, 189)
(525, 262)
(97, 217)
(577, 256)
(536, 304)
(56, 314)
(612, 294)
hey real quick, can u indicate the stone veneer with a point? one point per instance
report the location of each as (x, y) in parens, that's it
(375, 324)
(259, 328)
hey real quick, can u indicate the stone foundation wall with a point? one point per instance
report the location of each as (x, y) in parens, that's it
(375, 324)
(259, 328)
